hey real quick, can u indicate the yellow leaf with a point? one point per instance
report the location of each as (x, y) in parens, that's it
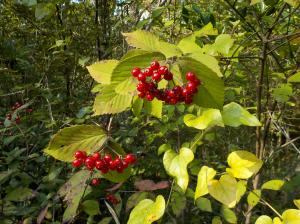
(277, 220)
(291, 216)
(264, 219)
(254, 197)
(224, 190)
(205, 175)
(243, 164)
(297, 203)
(241, 189)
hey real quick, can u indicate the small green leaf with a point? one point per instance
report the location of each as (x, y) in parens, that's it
(91, 207)
(204, 204)
(176, 165)
(63, 145)
(149, 42)
(20, 194)
(101, 71)
(264, 219)
(282, 93)
(178, 203)
(243, 164)
(147, 211)
(273, 185)
(216, 220)
(228, 215)
(163, 148)
(154, 107)
(254, 197)
(205, 175)
(207, 119)
(223, 43)
(235, 115)
(137, 106)
(294, 78)
(224, 190)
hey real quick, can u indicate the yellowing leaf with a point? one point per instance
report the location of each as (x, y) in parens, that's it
(264, 219)
(241, 189)
(147, 41)
(297, 203)
(210, 61)
(101, 71)
(291, 216)
(235, 115)
(224, 190)
(277, 220)
(243, 164)
(176, 165)
(273, 185)
(205, 175)
(81, 137)
(209, 118)
(254, 197)
(147, 211)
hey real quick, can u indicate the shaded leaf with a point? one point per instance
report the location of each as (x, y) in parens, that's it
(204, 204)
(91, 207)
(20, 194)
(228, 215)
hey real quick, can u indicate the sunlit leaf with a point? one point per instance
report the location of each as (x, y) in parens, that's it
(297, 203)
(264, 219)
(101, 71)
(205, 175)
(283, 92)
(291, 216)
(243, 164)
(147, 211)
(223, 43)
(273, 185)
(224, 190)
(154, 107)
(254, 197)
(294, 78)
(176, 165)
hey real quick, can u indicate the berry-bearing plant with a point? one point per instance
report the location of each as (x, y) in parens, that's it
(178, 89)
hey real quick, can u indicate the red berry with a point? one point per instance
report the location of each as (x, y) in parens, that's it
(148, 71)
(197, 82)
(95, 181)
(154, 65)
(130, 158)
(188, 100)
(170, 93)
(99, 164)
(185, 92)
(141, 77)
(118, 162)
(97, 156)
(149, 97)
(191, 87)
(90, 163)
(77, 163)
(125, 164)
(156, 76)
(163, 70)
(168, 76)
(141, 86)
(104, 170)
(152, 86)
(173, 101)
(135, 72)
(29, 110)
(177, 90)
(80, 155)
(112, 165)
(190, 76)
(142, 94)
(120, 169)
(18, 120)
(17, 105)
(107, 158)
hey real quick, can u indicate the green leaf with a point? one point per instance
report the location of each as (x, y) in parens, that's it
(154, 107)
(210, 61)
(293, 3)
(147, 211)
(205, 175)
(101, 71)
(254, 197)
(178, 203)
(204, 204)
(243, 164)
(282, 93)
(91, 207)
(294, 78)
(149, 42)
(176, 165)
(273, 185)
(241, 189)
(20, 194)
(253, 2)
(43, 9)
(114, 176)
(224, 190)
(207, 119)
(117, 96)
(223, 43)
(264, 219)
(163, 148)
(228, 215)
(72, 191)
(216, 220)
(137, 106)
(235, 115)
(211, 92)
(4, 175)
(28, 2)
(67, 141)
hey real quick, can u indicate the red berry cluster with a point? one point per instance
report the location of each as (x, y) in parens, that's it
(17, 119)
(148, 89)
(103, 164)
(112, 199)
